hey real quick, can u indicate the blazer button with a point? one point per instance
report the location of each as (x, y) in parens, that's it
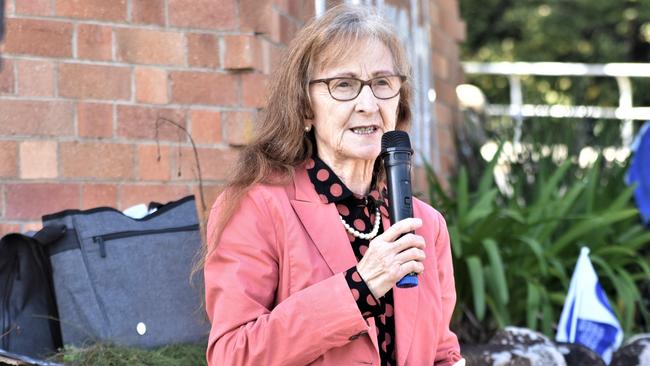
(357, 335)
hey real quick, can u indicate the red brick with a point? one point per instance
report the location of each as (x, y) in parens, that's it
(92, 9)
(144, 46)
(303, 10)
(204, 88)
(203, 50)
(38, 159)
(446, 92)
(94, 81)
(153, 162)
(148, 12)
(288, 29)
(39, 37)
(140, 123)
(216, 164)
(151, 85)
(8, 159)
(35, 78)
(440, 66)
(95, 120)
(274, 54)
(98, 195)
(203, 13)
(94, 42)
(242, 52)
(256, 16)
(7, 79)
(443, 113)
(36, 118)
(206, 127)
(132, 194)
(239, 127)
(210, 194)
(96, 160)
(31, 226)
(9, 8)
(34, 7)
(30, 201)
(254, 89)
(8, 229)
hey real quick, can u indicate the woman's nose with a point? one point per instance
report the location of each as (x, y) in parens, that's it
(366, 100)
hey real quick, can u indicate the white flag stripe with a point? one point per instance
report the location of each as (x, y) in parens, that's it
(587, 317)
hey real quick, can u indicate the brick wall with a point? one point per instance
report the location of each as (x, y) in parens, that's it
(85, 85)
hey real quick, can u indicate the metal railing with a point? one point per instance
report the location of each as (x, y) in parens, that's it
(519, 110)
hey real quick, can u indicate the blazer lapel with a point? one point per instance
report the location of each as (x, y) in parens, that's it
(321, 221)
(405, 310)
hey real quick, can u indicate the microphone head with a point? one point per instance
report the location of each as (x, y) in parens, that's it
(395, 140)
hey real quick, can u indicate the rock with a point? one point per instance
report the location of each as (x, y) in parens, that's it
(635, 352)
(575, 354)
(515, 347)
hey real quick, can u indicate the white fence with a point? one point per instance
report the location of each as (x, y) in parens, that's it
(518, 109)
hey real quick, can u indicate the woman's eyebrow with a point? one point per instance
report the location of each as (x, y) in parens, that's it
(349, 74)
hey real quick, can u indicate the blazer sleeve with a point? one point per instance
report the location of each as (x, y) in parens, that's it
(448, 350)
(242, 277)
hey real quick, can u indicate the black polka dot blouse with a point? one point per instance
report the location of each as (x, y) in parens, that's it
(359, 213)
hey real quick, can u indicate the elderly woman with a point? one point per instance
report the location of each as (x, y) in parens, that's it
(302, 261)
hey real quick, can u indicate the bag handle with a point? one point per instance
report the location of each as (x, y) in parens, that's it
(49, 234)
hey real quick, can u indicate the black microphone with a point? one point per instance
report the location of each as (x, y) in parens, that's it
(396, 152)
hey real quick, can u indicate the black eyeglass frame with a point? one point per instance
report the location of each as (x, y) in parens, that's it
(368, 82)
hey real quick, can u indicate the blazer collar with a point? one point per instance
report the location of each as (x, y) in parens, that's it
(321, 221)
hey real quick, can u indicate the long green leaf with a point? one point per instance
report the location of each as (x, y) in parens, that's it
(481, 209)
(589, 226)
(538, 251)
(462, 196)
(497, 272)
(456, 241)
(475, 269)
(533, 305)
(592, 181)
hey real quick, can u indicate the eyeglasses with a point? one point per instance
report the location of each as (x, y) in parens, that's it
(345, 89)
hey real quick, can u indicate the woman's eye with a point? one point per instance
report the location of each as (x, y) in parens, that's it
(342, 84)
(382, 82)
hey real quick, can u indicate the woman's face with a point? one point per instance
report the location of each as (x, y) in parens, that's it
(353, 129)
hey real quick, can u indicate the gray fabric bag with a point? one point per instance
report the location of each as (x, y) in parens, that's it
(127, 281)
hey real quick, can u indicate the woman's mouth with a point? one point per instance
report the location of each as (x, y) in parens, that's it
(367, 130)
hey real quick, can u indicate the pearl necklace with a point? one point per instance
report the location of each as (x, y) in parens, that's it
(361, 235)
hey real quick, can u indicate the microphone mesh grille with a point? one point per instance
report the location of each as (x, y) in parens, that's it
(395, 139)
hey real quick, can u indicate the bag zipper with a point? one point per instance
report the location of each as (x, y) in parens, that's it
(101, 239)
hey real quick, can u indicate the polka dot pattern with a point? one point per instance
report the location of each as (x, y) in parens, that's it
(322, 175)
(359, 211)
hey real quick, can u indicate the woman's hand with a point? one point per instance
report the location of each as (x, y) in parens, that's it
(387, 260)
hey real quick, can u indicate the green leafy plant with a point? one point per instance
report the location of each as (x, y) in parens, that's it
(514, 253)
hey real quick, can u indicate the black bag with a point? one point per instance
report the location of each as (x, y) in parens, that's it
(29, 313)
(126, 280)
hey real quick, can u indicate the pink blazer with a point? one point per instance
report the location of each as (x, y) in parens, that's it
(276, 292)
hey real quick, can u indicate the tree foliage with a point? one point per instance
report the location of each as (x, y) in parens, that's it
(586, 31)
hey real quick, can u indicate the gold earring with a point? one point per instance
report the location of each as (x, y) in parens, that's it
(308, 128)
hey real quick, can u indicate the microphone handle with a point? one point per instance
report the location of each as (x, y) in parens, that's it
(400, 198)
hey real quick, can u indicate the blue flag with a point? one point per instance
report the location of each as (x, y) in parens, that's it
(639, 172)
(587, 318)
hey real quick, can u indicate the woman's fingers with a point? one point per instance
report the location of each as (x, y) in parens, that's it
(411, 254)
(411, 267)
(409, 241)
(400, 228)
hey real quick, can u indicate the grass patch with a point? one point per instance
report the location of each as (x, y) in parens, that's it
(111, 355)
